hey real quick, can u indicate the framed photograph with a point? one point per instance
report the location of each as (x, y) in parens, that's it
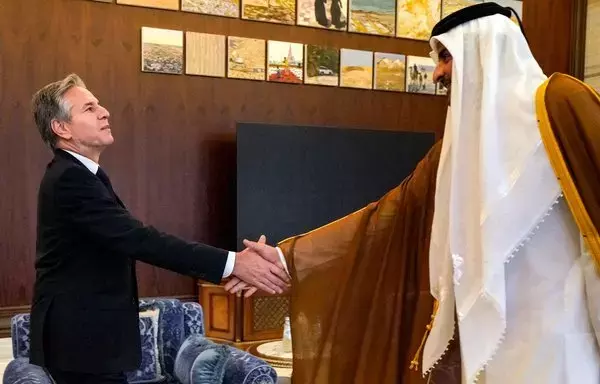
(246, 58)
(329, 14)
(416, 18)
(162, 50)
(419, 75)
(451, 6)
(227, 8)
(286, 62)
(205, 54)
(356, 68)
(161, 4)
(390, 72)
(321, 65)
(270, 11)
(373, 17)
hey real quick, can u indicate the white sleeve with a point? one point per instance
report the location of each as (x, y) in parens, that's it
(282, 258)
(592, 288)
(229, 264)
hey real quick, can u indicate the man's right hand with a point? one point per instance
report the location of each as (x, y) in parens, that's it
(255, 270)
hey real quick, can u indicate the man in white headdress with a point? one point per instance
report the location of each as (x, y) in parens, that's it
(505, 255)
(515, 189)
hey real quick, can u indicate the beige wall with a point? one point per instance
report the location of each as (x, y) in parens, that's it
(592, 46)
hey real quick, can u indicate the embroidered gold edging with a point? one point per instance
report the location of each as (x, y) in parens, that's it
(414, 364)
(572, 196)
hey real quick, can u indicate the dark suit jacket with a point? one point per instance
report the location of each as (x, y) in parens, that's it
(84, 315)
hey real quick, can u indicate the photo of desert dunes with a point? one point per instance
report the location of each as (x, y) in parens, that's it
(356, 69)
(390, 71)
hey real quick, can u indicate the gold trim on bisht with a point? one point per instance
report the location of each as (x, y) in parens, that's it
(414, 364)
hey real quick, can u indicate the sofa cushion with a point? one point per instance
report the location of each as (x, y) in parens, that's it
(209, 366)
(20, 370)
(170, 331)
(201, 361)
(150, 370)
(19, 330)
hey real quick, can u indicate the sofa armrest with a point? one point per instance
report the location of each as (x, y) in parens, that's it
(21, 371)
(19, 330)
(193, 319)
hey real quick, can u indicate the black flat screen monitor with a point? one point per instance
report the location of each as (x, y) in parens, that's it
(292, 179)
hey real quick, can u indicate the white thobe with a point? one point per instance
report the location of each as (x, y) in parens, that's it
(553, 310)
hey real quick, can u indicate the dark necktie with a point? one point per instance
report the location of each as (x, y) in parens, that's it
(106, 181)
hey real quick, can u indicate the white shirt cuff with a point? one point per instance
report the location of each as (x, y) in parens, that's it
(229, 264)
(282, 258)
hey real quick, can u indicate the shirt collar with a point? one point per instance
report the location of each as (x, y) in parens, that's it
(89, 164)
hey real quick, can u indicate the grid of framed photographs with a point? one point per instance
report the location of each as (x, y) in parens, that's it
(409, 19)
(201, 54)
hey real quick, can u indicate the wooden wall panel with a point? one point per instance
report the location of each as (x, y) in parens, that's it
(548, 28)
(173, 162)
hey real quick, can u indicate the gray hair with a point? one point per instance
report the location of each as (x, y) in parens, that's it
(49, 104)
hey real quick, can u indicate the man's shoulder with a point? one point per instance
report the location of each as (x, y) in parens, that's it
(61, 168)
(562, 87)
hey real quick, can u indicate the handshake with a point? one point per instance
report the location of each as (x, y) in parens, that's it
(259, 266)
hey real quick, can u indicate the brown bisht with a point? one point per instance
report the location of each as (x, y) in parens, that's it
(569, 118)
(360, 299)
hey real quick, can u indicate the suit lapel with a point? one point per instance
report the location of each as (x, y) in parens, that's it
(60, 155)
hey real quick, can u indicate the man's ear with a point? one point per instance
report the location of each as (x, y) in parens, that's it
(60, 129)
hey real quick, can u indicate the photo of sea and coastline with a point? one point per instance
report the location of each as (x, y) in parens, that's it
(374, 17)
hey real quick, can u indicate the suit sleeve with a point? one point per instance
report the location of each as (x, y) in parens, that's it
(86, 205)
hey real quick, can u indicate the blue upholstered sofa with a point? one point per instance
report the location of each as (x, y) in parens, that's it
(174, 351)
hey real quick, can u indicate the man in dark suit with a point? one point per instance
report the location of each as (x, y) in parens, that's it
(84, 317)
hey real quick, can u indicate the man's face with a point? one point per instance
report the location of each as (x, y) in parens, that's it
(443, 71)
(88, 128)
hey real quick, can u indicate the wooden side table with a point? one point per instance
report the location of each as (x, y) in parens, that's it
(236, 319)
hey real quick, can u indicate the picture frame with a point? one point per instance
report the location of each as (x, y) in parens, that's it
(170, 5)
(162, 51)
